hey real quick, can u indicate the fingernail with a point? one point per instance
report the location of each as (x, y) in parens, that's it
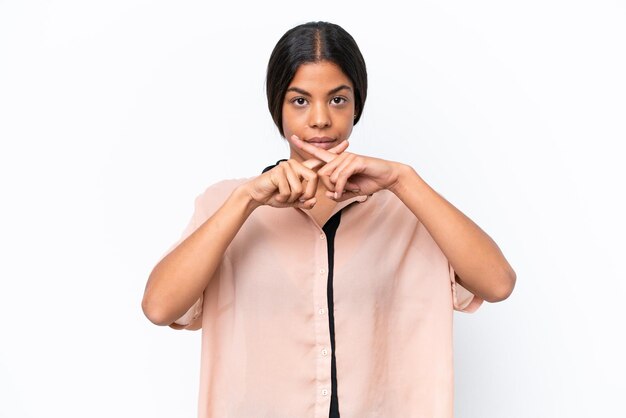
(336, 197)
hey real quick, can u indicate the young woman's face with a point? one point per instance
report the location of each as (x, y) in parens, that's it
(318, 107)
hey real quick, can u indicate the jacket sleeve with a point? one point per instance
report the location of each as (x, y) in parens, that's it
(205, 205)
(463, 299)
(194, 223)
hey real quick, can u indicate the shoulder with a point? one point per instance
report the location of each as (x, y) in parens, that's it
(387, 202)
(215, 194)
(386, 211)
(224, 186)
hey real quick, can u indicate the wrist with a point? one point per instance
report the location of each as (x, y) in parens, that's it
(403, 175)
(242, 195)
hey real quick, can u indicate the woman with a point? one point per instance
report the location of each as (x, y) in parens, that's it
(327, 283)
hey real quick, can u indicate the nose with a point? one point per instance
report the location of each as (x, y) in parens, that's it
(319, 116)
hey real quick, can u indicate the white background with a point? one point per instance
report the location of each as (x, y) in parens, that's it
(115, 115)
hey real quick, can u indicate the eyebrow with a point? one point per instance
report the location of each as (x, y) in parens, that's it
(306, 93)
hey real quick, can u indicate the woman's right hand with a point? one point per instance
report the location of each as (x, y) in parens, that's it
(290, 183)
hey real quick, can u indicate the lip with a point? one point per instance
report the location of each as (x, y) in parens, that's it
(323, 142)
(322, 139)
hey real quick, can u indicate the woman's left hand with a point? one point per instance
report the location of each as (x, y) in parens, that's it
(346, 175)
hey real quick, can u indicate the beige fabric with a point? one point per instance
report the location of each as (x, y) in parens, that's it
(265, 334)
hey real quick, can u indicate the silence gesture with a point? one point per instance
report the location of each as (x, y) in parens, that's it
(346, 175)
(291, 183)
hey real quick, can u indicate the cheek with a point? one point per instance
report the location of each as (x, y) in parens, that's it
(348, 131)
(287, 115)
(347, 122)
(291, 121)
(285, 120)
(286, 126)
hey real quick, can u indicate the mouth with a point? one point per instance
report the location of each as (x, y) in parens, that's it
(322, 142)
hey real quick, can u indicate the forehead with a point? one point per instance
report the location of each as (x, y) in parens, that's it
(319, 76)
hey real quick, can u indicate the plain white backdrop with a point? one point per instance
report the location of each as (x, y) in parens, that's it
(115, 115)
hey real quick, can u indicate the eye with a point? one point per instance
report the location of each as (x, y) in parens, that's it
(339, 100)
(299, 101)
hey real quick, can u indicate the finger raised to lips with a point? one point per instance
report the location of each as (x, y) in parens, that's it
(324, 155)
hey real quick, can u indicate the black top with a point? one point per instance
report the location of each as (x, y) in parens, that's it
(330, 228)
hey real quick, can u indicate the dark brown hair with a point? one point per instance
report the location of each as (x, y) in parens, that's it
(313, 42)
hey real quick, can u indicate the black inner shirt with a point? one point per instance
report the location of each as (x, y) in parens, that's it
(330, 228)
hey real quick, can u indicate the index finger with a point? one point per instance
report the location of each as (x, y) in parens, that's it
(319, 153)
(337, 149)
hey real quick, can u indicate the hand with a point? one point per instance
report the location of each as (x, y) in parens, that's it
(290, 183)
(347, 175)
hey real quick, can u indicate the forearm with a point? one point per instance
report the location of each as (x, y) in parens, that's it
(179, 279)
(475, 257)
